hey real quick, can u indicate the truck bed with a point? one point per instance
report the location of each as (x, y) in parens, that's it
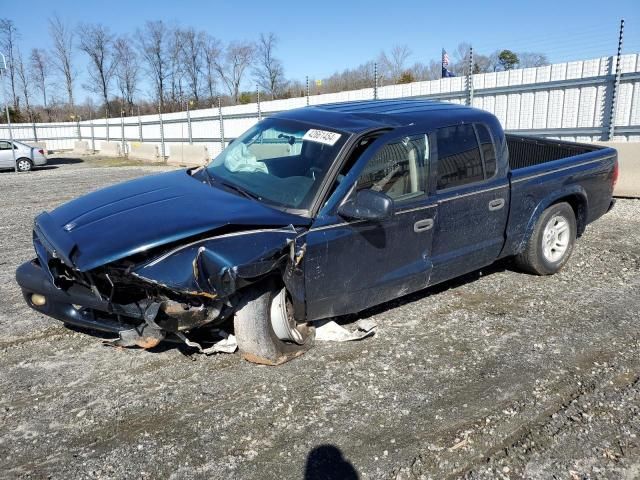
(526, 151)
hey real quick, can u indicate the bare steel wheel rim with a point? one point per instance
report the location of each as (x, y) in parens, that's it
(555, 238)
(282, 320)
(24, 165)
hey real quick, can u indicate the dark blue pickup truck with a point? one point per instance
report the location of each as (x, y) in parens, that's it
(314, 213)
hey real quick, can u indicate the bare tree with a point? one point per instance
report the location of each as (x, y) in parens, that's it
(62, 37)
(193, 50)
(23, 82)
(176, 67)
(97, 43)
(460, 64)
(237, 58)
(211, 54)
(393, 64)
(269, 72)
(40, 72)
(153, 42)
(8, 40)
(126, 71)
(532, 59)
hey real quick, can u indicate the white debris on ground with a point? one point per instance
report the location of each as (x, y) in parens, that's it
(330, 331)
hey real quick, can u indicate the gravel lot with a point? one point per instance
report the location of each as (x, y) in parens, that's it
(496, 375)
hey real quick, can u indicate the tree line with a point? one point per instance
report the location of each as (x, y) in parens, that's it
(162, 67)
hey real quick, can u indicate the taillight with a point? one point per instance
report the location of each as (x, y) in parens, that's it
(41, 152)
(615, 173)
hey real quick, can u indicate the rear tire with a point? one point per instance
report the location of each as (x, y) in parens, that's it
(551, 242)
(24, 165)
(254, 327)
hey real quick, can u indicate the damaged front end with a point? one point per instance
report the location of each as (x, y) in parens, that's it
(166, 293)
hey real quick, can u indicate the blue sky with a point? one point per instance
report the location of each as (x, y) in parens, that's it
(318, 38)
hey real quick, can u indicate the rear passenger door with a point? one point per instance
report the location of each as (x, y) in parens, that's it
(473, 200)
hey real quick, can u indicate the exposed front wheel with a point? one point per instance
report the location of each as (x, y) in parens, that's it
(24, 165)
(265, 329)
(551, 242)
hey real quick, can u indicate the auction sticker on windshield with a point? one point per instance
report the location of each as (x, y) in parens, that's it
(322, 136)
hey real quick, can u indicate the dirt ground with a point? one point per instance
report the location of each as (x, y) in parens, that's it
(496, 375)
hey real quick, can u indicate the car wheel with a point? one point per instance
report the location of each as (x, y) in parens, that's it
(551, 242)
(24, 165)
(265, 329)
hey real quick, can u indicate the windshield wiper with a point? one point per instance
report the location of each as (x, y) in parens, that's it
(241, 191)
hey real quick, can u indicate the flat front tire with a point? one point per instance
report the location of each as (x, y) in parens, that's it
(265, 329)
(551, 242)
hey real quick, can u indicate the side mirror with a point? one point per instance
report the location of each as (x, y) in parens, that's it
(367, 205)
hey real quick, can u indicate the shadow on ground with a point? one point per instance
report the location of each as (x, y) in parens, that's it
(327, 462)
(64, 161)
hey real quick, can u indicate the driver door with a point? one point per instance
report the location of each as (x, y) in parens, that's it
(354, 264)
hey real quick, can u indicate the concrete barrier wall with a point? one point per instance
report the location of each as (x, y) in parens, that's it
(81, 147)
(146, 152)
(629, 174)
(110, 149)
(188, 155)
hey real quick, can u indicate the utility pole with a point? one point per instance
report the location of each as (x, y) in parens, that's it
(375, 81)
(3, 73)
(616, 82)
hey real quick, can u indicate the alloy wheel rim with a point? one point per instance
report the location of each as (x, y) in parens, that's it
(23, 165)
(555, 238)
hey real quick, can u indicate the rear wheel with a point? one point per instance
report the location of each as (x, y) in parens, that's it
(24, 165)
(265, 329)
(551, 242)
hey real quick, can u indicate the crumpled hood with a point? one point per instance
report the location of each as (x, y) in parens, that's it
(141, 214)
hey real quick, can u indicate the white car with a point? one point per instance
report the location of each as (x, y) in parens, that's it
(26, 156)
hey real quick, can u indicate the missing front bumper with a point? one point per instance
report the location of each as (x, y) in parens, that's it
(76, 306)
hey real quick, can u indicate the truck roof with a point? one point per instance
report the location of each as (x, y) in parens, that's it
(360, 116)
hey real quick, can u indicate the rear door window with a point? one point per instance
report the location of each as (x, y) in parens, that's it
(488, 150)
(459, 158)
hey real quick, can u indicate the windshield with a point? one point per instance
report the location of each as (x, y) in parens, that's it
(279, 161)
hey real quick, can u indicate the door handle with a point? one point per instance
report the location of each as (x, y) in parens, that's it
(423, 225)
(496, 204)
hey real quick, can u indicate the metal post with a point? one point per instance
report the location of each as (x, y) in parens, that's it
(93, 138)
(123, 149)
(13, 151)
(189, 123)
(35, 131)
(221, 120)
(106, 122)
(375, 81)
(616, 82)
(78, 118)
(307, 89)
(139, 125)
(162, 151)
(258, 102)
(470, 79)
(3, 71)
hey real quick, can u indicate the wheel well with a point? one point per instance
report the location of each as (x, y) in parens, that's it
(579, 206)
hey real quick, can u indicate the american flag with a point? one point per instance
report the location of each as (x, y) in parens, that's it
(445, 63)
(445, 58)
